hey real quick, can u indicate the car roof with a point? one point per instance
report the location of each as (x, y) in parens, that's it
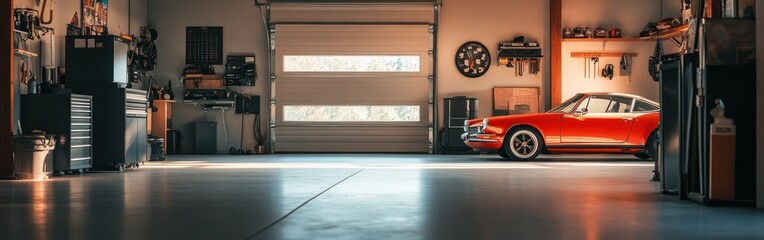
(624, 95)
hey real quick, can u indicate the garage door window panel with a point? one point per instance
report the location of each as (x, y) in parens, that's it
(350, 64)
(318, 113)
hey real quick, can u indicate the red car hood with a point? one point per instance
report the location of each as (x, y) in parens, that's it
(516, 118)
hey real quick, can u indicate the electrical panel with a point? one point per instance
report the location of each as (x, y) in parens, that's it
(240, 71)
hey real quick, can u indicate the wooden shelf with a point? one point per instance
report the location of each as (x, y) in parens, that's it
(668, 33)
(601, 54)
(603, 40)
(26, 53)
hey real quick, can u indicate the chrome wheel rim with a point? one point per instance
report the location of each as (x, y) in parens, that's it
(524, 144)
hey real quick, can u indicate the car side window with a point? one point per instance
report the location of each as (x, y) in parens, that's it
(598, 104)
(641, 106)
(620, 105)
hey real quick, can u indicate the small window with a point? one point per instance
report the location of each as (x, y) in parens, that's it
(351, 114)
(326, 63)
(644, 107)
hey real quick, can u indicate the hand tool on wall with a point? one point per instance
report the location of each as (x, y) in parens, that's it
(24, 69)
(596, 62)
(625, 69)
(516, 66)
(42, 12)
(607, 72)
(522, 66)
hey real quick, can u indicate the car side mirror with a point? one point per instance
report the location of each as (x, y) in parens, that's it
(581, 112)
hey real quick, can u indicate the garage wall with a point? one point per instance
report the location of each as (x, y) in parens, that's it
(489, 22)
(760, 97)
(629, 15)
(244, 33)
(64, 10)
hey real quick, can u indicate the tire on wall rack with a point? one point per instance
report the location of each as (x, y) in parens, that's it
(523, 144)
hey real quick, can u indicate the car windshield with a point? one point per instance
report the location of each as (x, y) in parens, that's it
(568, 105)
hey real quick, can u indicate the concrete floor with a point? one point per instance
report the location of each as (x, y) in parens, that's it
(366, 197)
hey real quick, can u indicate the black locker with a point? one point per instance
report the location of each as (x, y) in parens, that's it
(456, 110)
(671, 126)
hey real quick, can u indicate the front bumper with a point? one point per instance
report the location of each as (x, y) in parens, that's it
(483, 142)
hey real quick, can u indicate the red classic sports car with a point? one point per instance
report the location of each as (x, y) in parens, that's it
(586, 123)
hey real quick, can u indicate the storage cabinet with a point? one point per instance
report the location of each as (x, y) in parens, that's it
(70, 118)
(120, 128)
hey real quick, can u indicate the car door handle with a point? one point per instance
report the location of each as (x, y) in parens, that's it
(627, 118)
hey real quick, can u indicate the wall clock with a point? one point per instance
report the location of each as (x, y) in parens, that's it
(473, 59)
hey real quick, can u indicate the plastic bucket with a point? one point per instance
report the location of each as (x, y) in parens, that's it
(33, 156)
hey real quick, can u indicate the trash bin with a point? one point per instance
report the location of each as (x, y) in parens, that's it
(157, 149)
(34, 155)
(173, 142)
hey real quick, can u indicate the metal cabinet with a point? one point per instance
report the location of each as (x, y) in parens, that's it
(120, 128)
(70, 118)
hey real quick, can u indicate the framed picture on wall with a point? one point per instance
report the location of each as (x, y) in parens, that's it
(94, 17)
(515, 100)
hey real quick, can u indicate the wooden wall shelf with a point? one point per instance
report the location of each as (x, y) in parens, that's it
(601, 54)
(603, 40)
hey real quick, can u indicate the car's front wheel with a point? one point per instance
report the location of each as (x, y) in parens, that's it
(523, 144)
(503, 153)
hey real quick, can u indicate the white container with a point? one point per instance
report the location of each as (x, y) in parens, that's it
(33, 156)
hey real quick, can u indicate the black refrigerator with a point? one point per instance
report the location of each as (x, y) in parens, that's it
(721, 67)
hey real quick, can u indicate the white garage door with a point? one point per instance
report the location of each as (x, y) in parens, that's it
(350, 87)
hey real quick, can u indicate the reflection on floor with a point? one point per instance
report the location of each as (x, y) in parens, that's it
(376, 196)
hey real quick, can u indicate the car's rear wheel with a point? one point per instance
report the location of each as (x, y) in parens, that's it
(651, 146)
(523, 144)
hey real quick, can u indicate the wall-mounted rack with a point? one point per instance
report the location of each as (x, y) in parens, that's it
(601, 54)
(668, 33)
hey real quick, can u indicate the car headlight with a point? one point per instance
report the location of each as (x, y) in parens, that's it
(485, 125)
(466, 125)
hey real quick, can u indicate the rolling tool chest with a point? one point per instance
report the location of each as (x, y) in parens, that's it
(120, 129)
(70, 118)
